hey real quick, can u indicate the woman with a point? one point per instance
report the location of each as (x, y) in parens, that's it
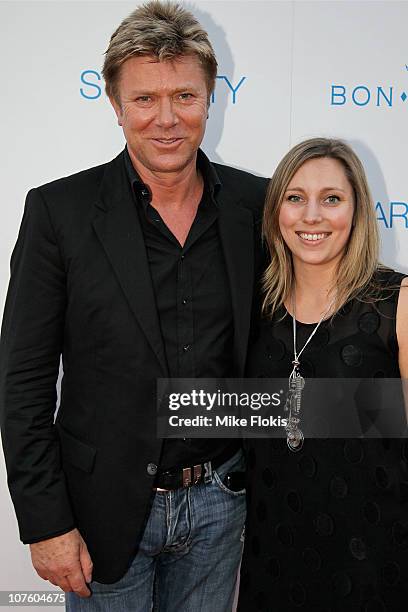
(327, 524)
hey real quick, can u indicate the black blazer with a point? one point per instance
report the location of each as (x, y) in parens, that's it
(80, 286)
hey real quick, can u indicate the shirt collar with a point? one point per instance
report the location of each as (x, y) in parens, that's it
(211, 179)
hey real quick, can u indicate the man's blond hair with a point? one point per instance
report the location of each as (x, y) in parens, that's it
(164, 30)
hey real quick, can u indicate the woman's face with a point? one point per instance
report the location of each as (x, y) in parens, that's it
(316, 214)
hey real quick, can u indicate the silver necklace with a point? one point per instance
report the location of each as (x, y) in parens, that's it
(294, 435)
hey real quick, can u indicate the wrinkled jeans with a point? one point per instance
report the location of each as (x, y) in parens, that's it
(188, 557)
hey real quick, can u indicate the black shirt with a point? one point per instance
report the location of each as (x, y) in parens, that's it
(193, 301)
(326, 526)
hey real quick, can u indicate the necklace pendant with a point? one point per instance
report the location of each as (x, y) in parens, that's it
(294, 435)
(295, 439)
(300, 383)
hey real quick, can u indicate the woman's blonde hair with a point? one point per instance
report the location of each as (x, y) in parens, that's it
(360, 259)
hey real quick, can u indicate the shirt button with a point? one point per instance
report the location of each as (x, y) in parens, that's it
(186, 347)
(182, 257)
(184, 301)
(151, 469)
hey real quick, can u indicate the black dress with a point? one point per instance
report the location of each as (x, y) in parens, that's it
(327, 527)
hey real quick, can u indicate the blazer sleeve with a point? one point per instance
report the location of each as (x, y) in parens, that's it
(30, 349)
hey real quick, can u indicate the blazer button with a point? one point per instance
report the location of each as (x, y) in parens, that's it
(151, 469)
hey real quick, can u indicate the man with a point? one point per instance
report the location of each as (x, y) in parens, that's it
(134, 270)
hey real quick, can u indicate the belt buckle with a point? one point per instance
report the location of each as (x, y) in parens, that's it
(193, 476)
(187, 477)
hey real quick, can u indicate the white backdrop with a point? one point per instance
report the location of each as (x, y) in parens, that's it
(287, 71)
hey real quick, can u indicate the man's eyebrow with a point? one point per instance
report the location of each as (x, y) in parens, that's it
(141, 92)
(150, 92)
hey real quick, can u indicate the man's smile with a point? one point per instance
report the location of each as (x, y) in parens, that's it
(167, 141)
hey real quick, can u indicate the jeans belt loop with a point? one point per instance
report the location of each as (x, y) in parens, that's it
(207, 472)
(197, 472)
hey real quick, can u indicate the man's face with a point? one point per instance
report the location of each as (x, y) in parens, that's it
(162, 108)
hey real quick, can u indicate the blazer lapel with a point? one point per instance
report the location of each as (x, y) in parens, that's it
(118, 228)
(237, 237)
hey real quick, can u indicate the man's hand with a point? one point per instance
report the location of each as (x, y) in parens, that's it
(64, 561)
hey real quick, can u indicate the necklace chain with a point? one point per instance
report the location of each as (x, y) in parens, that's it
(297, 355)
(296, 383)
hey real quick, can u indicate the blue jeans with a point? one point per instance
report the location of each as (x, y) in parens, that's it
(188, 557)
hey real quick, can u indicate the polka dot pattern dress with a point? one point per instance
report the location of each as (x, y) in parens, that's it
(327, 527)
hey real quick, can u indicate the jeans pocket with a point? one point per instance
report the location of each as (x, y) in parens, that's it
(235, 464)
(224, 488)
